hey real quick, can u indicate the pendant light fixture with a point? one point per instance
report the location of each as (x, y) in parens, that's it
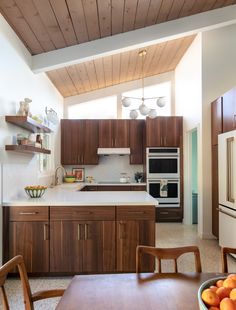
(143, 109)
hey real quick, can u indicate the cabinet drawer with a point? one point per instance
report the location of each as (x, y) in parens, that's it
(135, 213)
(165, 215)
(138, 188)
(82, 213)
(24, 214)
(114, 188)
(89, 188)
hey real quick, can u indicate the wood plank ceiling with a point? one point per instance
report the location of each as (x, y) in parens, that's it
(46, 25)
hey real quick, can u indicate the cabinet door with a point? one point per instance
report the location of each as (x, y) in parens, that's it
(114, 188)
(171, 131)
(120, 133)
(31, 240)
(136, 131)
(130, 234)
(90, 135)
(153, 132)
(215, 190)
(229, 110)
(66, 244)
(99, 246)
(216, 120)
(71, 142)
(105, 133)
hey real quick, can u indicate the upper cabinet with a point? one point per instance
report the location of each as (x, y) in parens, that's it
(216, 120)
(229, 110)
(136, 139)
(164, 131)
(79, 142)
(113, 133)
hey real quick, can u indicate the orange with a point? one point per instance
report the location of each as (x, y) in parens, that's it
(232, 275)
(214, 288)
(219, 283)
(227, 304)
(210, 297)
(232, 294)
(230, 283)
(214, 308)
(223, 292)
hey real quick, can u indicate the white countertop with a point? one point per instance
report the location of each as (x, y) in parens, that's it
(70, 195)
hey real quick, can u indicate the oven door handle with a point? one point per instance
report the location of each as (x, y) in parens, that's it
(226, 213)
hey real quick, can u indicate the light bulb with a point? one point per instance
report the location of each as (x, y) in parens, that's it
(126, 102)
(133, 114)
(161, 101)
(152, 113)
(143, 109)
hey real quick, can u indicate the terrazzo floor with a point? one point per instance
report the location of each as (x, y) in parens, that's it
(167, 235)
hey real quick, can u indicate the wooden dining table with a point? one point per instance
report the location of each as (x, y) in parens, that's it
(168, 291)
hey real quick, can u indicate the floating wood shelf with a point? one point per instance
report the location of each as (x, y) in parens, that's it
(26, 149)
(27, 123)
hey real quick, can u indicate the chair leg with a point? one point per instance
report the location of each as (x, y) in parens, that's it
(4, 298)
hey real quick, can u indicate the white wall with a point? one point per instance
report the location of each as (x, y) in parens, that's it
(17, 82)
(188, 99)
(218, 76)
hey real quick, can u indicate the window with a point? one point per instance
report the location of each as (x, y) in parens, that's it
(96, 109)
(159, 90)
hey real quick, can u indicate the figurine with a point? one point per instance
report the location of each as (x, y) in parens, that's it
(21, 110)
(27, 108)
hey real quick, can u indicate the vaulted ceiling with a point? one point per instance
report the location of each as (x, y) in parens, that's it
(47, 25)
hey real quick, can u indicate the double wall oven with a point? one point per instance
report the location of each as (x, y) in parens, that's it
(163, 175)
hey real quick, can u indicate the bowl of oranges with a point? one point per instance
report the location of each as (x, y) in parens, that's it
(35, 191)
(218, 293)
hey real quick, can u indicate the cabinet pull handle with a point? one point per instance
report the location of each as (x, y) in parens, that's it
(86, 231)
(78, 231)
(164, 212)
(28, 213)
(45, 232)
(121, 231)
(226, 213)
(229, 142)
(137, 212)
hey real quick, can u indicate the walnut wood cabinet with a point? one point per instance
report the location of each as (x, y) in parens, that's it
(135, 226)
(82, 239)
(79, 142)
(29, 236)
(164, 131)
(136, 139)
(114, 133)
(229, 110)
(216, 120)
(88, 188)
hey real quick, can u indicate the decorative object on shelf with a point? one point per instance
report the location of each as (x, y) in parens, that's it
(79, 174)
(21, 111)
(39, 141)
(143, 108)
(35, 191)
(89, 179)
(51, 115)
(138, 176)
(37, 118)
(24, 109)
(69, 178)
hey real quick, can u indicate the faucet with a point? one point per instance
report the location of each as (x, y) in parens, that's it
(56, 178)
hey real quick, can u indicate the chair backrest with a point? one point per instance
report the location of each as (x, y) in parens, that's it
(168, 253)
(224, 252)
(16, 261)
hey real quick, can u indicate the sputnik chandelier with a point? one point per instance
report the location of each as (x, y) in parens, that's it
(143, 108)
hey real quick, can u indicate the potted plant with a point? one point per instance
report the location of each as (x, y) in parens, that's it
(138, 176)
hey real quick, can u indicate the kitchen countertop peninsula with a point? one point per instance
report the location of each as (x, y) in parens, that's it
(70, 195)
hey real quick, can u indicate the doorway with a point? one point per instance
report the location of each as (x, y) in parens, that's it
(194, 175)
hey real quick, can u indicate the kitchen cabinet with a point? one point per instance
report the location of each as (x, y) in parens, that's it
(135, 226)
(29, 236)
(229, 110)
(82, 239)
(79, 142)
(114, 188)
(136, 138)
(164, 131)
(216, 119)
(114, 133)
(169, 214)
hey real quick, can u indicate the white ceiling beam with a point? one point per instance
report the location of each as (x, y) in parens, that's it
(134, 39)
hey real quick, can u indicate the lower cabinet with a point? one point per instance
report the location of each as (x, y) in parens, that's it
(29, 236)
(79, 239)
(169, 215)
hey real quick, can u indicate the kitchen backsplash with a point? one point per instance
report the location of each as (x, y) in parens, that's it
(109, 168)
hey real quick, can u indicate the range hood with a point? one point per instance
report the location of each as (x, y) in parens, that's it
(113, 151)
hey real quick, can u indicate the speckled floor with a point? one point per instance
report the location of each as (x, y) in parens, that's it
(167, 235)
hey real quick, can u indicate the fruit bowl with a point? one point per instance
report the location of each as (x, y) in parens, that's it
(69, 178)
(35, 191)
(215, 291)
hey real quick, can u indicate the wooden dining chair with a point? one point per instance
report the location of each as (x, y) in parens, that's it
(29, 298)
(167, 253)
(225, 251)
